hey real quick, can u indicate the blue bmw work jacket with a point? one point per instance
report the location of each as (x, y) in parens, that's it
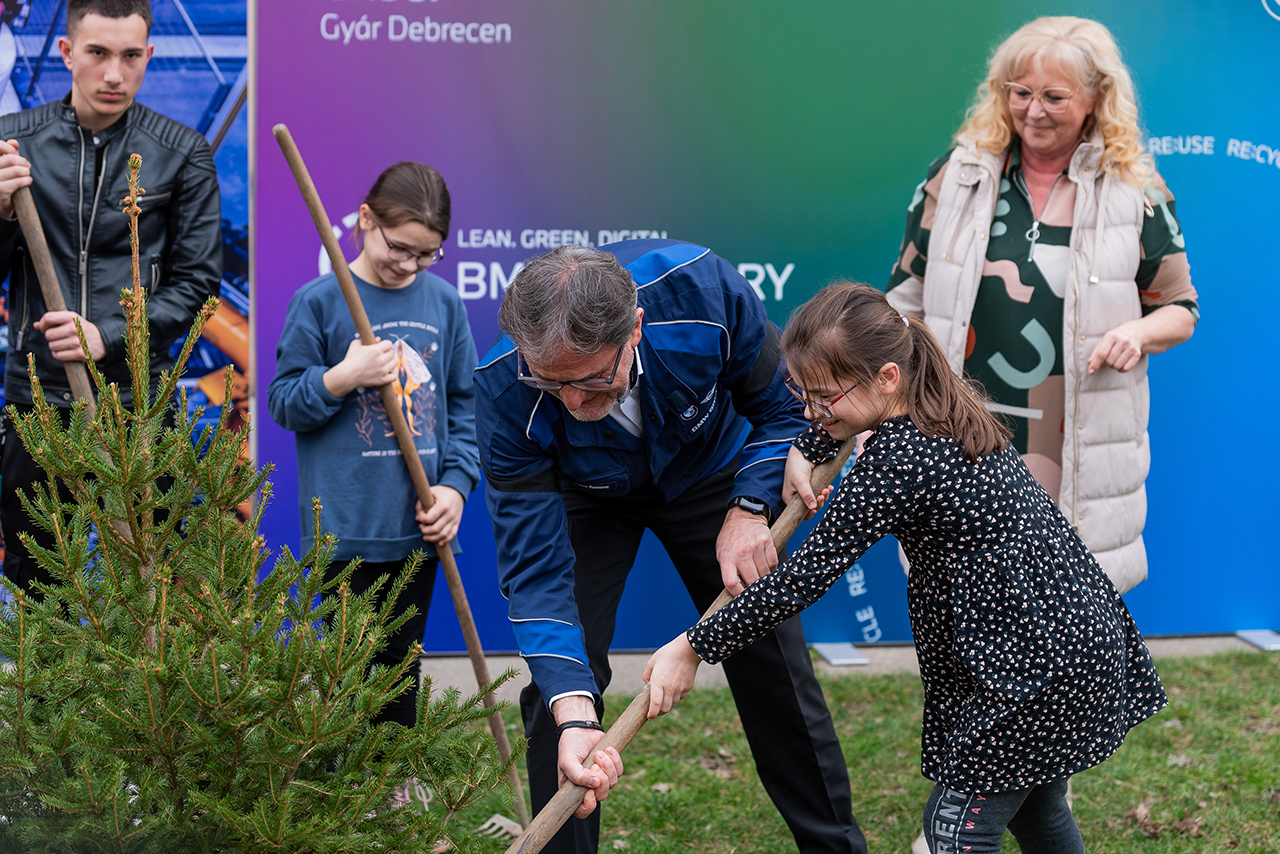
(711, 390)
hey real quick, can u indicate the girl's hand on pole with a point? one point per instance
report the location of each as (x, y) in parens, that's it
(798, 481)
(670, 674)
(439, 525)
(363, 367)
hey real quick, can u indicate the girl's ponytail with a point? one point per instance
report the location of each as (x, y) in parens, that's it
(943, 404)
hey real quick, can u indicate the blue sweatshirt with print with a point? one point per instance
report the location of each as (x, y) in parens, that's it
(347, 453)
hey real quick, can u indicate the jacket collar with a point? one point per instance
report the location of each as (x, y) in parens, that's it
(68, 114)
(1087, 156)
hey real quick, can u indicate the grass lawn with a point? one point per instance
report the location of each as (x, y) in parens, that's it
(1202, 776)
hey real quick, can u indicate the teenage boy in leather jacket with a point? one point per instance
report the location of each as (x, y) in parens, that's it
(73, 154)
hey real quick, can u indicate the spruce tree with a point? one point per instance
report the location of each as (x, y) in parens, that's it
(159, 697)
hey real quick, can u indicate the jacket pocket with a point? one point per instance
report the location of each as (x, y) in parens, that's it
(611, 483)
(18, 281)
(145, 200)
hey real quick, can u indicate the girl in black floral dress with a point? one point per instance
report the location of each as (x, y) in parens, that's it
(1032, 667)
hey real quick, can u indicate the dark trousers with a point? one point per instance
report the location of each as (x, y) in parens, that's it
(403, 709)
(1038, 818)
(19, 472)
(783, 711)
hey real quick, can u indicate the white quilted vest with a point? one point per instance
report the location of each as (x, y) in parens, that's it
(1105, 452)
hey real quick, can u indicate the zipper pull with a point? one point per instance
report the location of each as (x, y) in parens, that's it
(1033, 234)
(84, 264)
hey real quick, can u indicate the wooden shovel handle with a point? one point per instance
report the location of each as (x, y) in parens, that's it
(50, 288)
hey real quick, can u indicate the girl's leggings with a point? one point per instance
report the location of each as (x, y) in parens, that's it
(963, 822)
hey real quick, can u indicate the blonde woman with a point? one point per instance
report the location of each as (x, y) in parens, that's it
(1044, 253)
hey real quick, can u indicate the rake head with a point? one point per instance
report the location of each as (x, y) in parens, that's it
(500, 827)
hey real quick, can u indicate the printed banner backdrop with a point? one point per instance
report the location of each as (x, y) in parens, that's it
(789, 139)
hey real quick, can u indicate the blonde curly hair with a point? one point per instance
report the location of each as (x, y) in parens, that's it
(1085, 51)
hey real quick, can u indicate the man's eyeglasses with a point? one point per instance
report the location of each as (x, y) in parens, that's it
(817, 404)
(399, 253)
(594, 384)
(1055, 99)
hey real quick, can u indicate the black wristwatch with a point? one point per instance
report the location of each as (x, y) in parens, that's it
(751, 505)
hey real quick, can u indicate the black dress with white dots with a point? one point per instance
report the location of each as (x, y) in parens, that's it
(1032, 667)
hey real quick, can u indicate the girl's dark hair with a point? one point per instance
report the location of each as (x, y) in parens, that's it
(850, 331)
(410, 192)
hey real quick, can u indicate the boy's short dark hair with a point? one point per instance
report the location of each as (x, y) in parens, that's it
(77, 9)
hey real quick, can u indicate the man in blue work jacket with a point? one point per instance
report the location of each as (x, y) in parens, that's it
(638, 387)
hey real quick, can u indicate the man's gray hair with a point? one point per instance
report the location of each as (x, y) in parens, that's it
(571, 300)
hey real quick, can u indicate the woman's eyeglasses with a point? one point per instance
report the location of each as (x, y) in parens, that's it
(1055, 99)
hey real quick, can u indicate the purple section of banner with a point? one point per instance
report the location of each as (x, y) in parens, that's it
(451, 93)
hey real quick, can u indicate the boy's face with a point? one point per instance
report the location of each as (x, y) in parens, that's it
(107, 58)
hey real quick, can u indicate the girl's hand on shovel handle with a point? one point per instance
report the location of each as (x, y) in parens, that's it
(670, 674)
(439, 524)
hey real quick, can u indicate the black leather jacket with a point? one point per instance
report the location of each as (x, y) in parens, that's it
(79, 182)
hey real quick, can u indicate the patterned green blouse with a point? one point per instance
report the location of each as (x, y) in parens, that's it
(1015, 332)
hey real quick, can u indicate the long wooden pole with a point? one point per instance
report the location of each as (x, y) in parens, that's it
(570, 795)
(50, 287)
(408, 449)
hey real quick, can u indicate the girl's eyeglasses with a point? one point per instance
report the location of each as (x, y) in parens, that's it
(399, 253)
(817, 404)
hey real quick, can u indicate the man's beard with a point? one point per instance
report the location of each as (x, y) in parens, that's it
(597, 410)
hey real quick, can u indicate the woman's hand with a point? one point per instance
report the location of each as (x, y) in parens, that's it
(670, 674)
(1122, 347)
